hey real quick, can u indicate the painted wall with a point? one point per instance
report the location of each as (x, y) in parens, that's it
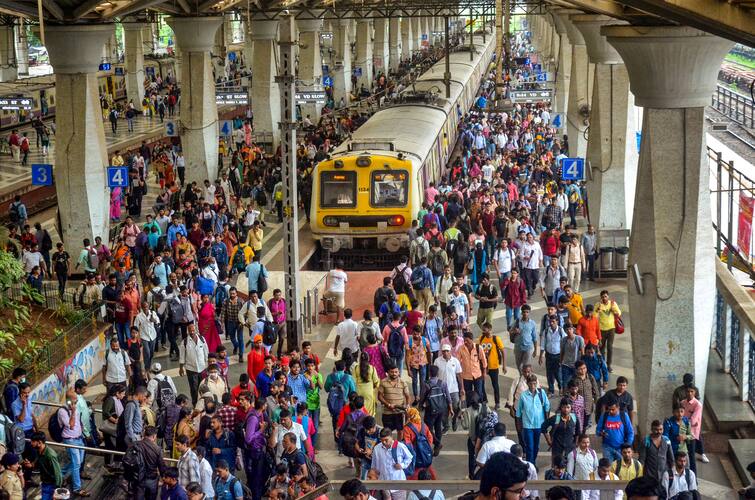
(86, 364)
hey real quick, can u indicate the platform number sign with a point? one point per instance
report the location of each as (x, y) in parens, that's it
(171, 128)
(41, 174)
(226, 128)
(117, 177)
(542, 77)
(573, 169)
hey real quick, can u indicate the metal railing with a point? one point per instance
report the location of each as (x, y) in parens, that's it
(309, 305)
(95, 451)
(456, 487)
(738, 107)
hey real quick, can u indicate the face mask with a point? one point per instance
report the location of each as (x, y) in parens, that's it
(214, 376)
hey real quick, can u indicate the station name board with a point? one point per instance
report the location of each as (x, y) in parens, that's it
(11, 103)
(531, 95)
(311, 97)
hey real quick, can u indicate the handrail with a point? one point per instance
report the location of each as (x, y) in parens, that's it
(58, 405)
(97, 451)
(464, 485)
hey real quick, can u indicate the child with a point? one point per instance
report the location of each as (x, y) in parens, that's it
(280, 480)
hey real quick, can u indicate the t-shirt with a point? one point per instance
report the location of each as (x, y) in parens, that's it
(505, 259)
(294, 461)
(338, 281)
(487, 345)
(298, 431)
(31, 260)
(60, 261)
(487, 292)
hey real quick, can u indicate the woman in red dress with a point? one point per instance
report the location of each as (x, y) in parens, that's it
(207, 324)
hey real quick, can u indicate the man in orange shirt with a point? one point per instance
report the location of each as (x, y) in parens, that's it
(473, 361)
(588, 327)
(255, 361)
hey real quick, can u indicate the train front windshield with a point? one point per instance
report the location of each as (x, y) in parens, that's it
(338, 189)
(390, 188)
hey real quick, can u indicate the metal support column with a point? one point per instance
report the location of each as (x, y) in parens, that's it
(447, 74)
(730, 231)
(484, 34)
(471, 36)
(718, 204)
(286, 79)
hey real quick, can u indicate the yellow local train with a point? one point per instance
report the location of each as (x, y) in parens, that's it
(365, 195)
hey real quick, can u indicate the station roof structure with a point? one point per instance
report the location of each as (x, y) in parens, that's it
(731, 19)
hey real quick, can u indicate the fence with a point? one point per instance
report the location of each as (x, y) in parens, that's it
(736, 106)
(310, 303)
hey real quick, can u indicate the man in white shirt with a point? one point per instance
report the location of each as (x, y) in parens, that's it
(389, 459)
(583, 461)
(285, 426)
(498, 443)
(32, 258)
(604, 474)
(449, 371)
(682, 480)
(117, 368)
(348, 334)
(192, 360)
(147, 322)
(532, 258)
(336, 291)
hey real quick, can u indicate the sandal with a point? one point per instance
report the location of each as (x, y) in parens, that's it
(82, 493)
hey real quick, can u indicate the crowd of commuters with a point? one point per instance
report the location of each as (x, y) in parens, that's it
(493, 231)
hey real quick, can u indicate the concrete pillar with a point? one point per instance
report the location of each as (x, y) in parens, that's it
(178, 56)
(381, 56)
(364, 52)
(579, 95)
(134, 44)
(8, 66)
(672, 74)
(407, 40)
(148, 39)
(22, 50)
(83, 198)
(198, 110)
(219, 52)
(562, 69)
(341, 69)
(310, 63)
(228, 25)
(417, 33)
(611, 151)
(248, 45)
(394, 42)
(265, 96)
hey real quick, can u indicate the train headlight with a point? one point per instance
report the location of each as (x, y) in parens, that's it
(364, 161)
(330, 221)
(396, 220)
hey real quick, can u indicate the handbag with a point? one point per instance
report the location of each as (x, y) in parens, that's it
(618, 323)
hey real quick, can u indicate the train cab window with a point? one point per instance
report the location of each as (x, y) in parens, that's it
(338, 189)
(390, 188)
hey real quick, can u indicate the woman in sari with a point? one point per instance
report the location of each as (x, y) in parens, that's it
(115, 204)
(374, 352)
(207, 325)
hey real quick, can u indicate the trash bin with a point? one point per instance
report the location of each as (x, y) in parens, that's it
(620, 258)
(606, 258)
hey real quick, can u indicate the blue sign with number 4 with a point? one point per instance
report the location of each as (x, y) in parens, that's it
(41, 174)
(117, 177)
(573, 169)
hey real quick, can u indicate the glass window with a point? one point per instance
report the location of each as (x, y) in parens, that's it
(390, 188)
(338, 189)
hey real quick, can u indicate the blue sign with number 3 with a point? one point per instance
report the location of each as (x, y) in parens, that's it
(41, 174)
(117, 177)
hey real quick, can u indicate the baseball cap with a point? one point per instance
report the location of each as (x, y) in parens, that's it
(156, 367)
(445, 347)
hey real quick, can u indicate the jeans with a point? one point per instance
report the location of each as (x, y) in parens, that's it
(123, 330)
(591, 266)
(255, 469)
(474, 385)
(606, 345)
(471, 459)
(573, 214)
(493, 374)
(76, 461)
(130, 122)
(148, 350)
(48, 490)
(145, 490)
(194, 378)
(399, 361)
(523, 357)
(531, 277)
(610, 453)
(236, 334)
(512, 314)
(434, 422)
(532, 444)
(691, 458)
(567, 373)
(553, 370)
(314, 415)
(418, 376)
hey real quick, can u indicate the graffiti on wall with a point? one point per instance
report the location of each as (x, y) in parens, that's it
(84, 365)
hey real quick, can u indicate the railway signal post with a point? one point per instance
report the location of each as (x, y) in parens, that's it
(286, 79)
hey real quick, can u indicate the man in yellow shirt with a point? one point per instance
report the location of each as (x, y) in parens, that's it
(254, 237)
(493, 347)
(628, 467)
(575, 305)
(607, 311)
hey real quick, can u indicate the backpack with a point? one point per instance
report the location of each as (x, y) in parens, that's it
(485, 423)
(3, 407)
(693, 494)
(54, 427)
(269, 334)
(423, 452)
(592, 452)
(15, 212)
(316, 475)
(435, 399)
(461, 256)
(165, 395)
(399, 281)
(261, 198)
(382, 295)
(394, 453)
(15, 439)
(134, 468)
(418, 278)
(620, 462)
(204, 286)
(420, 496)
(364, 332)
(437, 266)
(261, 282)
(348, 438)
(247, 493)
(451, 247)
(221, 295)
(395, 342)
(336, 399)
(239, 259)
